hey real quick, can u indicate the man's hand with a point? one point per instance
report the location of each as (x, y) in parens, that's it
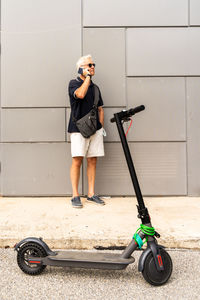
(86, 73)
(82, 91)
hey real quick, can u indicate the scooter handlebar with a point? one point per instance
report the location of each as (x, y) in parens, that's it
(138, 109)
(124, 114)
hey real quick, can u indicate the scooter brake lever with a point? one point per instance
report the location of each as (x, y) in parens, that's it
(126, 119)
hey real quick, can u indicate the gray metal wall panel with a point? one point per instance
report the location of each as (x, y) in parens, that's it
(36, 169)
(157, 51)
(194, 12)
(171, 51)
(161, 169)
(111, 129)
(41, 41)
(135, 13)
(0, 168)
(194, 51)
(0, 107)
(164, 118)
(0, 150)
(193, 132)
(107, 46)
(44, 15)
(33, 125)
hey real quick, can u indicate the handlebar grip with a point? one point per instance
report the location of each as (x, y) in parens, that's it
(137, 109)
(124, 114)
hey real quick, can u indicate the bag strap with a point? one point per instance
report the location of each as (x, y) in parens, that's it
(96, 100)
(96, 95)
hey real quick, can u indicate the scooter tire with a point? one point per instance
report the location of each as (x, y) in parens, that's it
(150, 272)
(34, 250)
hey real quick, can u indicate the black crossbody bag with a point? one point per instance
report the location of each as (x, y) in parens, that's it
(87, 125)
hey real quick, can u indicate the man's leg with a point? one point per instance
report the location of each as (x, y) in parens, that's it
(75, 174)
(96, 149)
(91, 173)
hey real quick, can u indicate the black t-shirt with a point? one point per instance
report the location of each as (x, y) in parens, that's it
(80, 107)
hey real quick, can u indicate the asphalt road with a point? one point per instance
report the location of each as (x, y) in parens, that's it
(74, 284)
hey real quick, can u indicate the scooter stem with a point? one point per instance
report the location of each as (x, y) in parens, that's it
(142, 210)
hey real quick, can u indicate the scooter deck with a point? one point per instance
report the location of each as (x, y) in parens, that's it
(89, 260)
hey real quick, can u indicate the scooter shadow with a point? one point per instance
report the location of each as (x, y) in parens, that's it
(129, 272)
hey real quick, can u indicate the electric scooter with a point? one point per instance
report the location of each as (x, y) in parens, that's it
(33, 254)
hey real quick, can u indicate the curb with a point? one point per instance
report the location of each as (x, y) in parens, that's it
(89, 244)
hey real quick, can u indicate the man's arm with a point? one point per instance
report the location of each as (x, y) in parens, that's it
(82, 91)
(101, 115)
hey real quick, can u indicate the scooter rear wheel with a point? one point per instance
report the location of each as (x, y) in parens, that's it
(33, 250)
(150, 272)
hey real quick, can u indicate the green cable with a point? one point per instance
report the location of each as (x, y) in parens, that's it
(147, 231)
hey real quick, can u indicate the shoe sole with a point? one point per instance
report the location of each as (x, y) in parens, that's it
(77, 206)
(95, 202)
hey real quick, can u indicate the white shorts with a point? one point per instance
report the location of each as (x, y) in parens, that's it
(91, 147)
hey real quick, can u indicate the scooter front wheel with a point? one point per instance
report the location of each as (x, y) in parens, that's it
(150, 272)
(30, 250)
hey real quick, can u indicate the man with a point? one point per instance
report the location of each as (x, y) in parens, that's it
(81, 93)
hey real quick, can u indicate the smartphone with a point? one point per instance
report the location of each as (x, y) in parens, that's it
(80, 71)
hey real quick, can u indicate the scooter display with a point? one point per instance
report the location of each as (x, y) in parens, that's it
(33, 254)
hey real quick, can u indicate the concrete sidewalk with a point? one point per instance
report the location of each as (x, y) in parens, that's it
(61, 226)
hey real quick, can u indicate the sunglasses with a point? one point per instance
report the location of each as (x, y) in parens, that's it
(90, 65)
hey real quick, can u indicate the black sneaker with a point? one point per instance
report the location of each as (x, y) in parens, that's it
(96, 200)
(76, 202)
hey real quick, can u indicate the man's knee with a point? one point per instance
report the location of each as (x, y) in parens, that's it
(77, 161)
(92, 161)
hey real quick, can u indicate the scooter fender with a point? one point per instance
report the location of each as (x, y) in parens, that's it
(144, 256)
(38, 241)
